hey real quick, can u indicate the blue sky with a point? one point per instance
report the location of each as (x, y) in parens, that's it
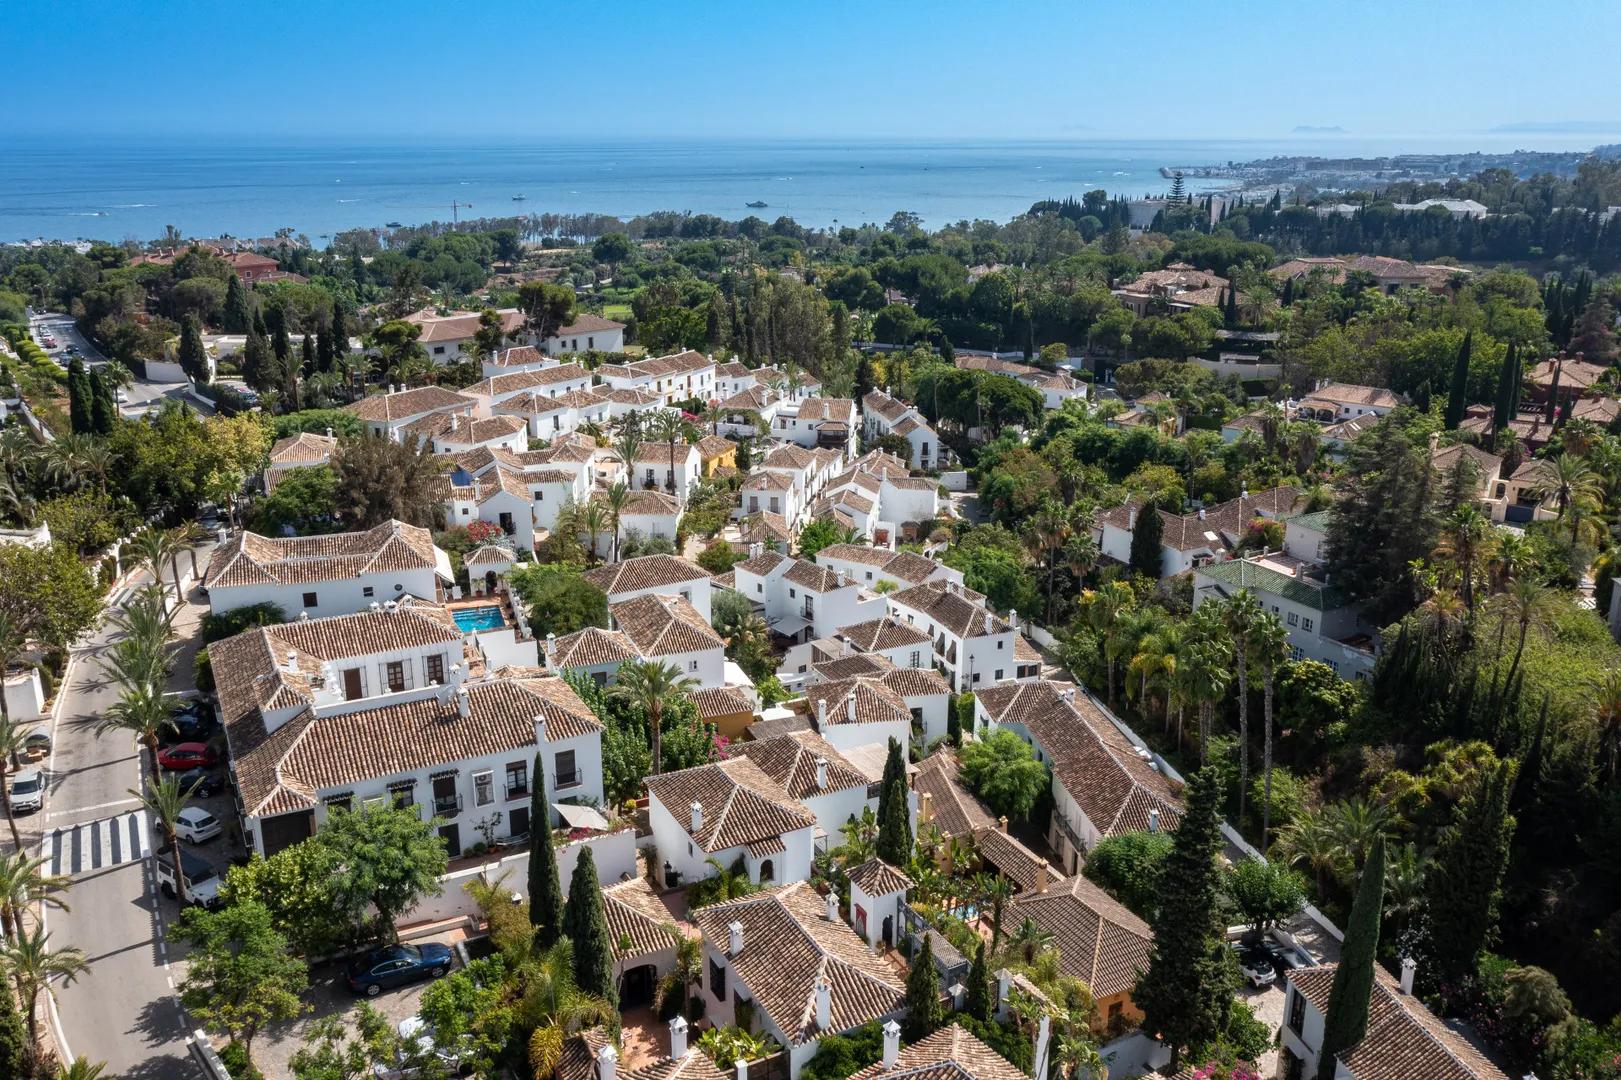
(831, 69)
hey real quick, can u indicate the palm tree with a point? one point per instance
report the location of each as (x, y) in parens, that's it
(1404, 885)
(1077, 1055)
(998, 893)
(22, 884)
(1241, 614)
(594, 520)
(1029, 940)
(142, 712)
(555, 1006)
(671, 427)
(81, 1069)
(164, 800)
(13, 741)
(154, 547)
(1463, 541)
(1103, 606)
(1357, 825)
(1607, 715)
(1047, 530)
(1210, 668)
(1529, 605)
(650, 684)
(683, 975)
(35, 966)
(725, 883)
(1269, 645)
(614, 499)
(860, 838)
(1574, 484)
(1309, 841)
(97, 460)
(1154, 663)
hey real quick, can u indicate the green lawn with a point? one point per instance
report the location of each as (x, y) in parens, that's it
(616, 312)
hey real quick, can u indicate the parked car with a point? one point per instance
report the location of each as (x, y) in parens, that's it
(187, 755)
(202, 782)
(27, 791)
(196, 825)
(395, 965)
(192, 726)
(199, 883)
(1256, 964)
(419, 1056)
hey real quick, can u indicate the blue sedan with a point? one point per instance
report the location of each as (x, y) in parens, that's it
(395, 965)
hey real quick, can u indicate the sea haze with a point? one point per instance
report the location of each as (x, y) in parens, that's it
(122, 189)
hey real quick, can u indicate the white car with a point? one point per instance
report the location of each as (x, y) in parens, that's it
(1256, 964)
(416, 1051)
(196, 825)
(27, 791)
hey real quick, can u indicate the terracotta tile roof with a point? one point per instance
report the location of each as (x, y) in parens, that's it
(303, 448)
(861, 700)
(915, 682)
(851, 499)
(750, 399)
(406, 403)
(818, 579)
(694, 1066)
(467, 429)
(877, 877)
(762, 564)
(733, 370)
(1222, 525)
(1404, 1039)
(1015, 861)
(714, 701)
(461, 325)
(516, 381)
(912, 483)
(489, 554)
(788, 456)
(591, 647)
(790, 760)
(644, 572)
(578, 1058)
(788, 945)
(1445, 458)
(644, 502)
(1095, 763)
(517, 356)
(853, 666)
(860, 553)
(711, 447)
(949, 1054)
(587, 323)
(885, 633)
(1026, 653)
(251, 559)
(1352, 394)
(957, 811)
(1574, 374)
(283, 770)
(634, 912)
(881, 403)
(765, 480)
(741, 804)
(949, 608)
(764, 525)
(826, 409)
(1099, 940)
(658, 625)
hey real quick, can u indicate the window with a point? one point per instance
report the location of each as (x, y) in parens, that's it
(395, 676)
(436, 669)
(998, 674)
(404, 794)
(464, 511)
(517, 779)
(367, 591)
(1297, 1012)
(717, 980)
(483, 788)
(916, 658)
(1294, 619)
(309, 599)
(692, 665)
(999, 645)
(1305, 624)
(568, 773)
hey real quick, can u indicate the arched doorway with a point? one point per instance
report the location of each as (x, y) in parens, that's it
(636, 988)
(887, 934)
(489, 582)
(768, 872)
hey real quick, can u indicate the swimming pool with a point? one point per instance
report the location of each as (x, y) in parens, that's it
(478, 618)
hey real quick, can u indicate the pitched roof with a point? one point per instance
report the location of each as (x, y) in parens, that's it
(941, 602)
(634, 912)
(461, 325)
(694, 1065)
(741, 804)
(885, 633)
(714, 701)
(459, 428)
(658, 625)
(1015, 861)
(826, 409)
(517, 356)
(591, 647)
(767, 562)
(957, 811)
(1099, 940)
(516, 381)
(875, 877)
(861, 700)
(790, 759)
(398, 406)
(788, 945)
(644, 572)
(303, 447)
(1351, 394)
(764, 525)
(1096, 764)
(251, 559)
(587, 323)
(1404, 1039)
(815, 578)
(711, 447)
(948, 1054)
(851, 666)
(788, 456)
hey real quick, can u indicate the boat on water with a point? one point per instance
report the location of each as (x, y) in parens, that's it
(519, 198)
(393, 225)
(757, 204)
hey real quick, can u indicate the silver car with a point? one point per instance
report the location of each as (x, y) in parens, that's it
(28, 791)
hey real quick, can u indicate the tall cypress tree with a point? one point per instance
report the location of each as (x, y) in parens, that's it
(1187, 992)
(545, 882)
(103, 403)
(1458, 394)
(894, 822)
(1347, 1019)
(977, 1002)
(339, 330)
(193, 357)
(1231, 311)
(306, 357)
(79, 397)
(237, 318)
(256, 361)
(1146, 557)
(925, 1012)
(586, 924)
(1502, 411)
(1464, 883)
(16, 1049)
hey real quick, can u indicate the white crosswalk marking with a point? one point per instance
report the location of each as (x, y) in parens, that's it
(97, 845)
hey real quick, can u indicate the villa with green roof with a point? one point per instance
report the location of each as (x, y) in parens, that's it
(1321, 621)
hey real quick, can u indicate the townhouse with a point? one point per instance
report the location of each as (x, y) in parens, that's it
(1056, 387)
(386, 414)
(669, 575)
(817, 421)
(904, 704)
(773, 493)
(302, 451)
(805, 971)
(717, 455)
(883, 415)
(449, 433)
(800, 600)
(767, 530)
(727, 813)
(643, 514)
(812, 771)
(672, 631)
(449, 338)
(517, 358)
(1103, 785)
(525, 492)
(515, 392)
(810, 470)
(1098, 939)
(673, 467)
(673, 379)
(878, 499)
(875, 566)
(335, 574)
(973, 645)
(1321, 621)
(749, 413)
(592, 652)
(587, 333)
(733, 378)
(1207, 535)
(462, 750)
(868, 648)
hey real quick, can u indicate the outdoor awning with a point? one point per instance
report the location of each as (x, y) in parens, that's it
(581, 817)
(789, 625)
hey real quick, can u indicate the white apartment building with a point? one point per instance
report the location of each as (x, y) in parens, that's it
(973, 645)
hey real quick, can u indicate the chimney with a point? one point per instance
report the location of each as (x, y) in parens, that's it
(1004, 982)
(540, 730)
(1013, 617)
(697, 816)
(850, 706)
(925, 807)
(678, 1038)
(1043, 1033)
(1043, 875)
(821, 774)
(1409, 967)
(292, 661)
(1131, 517)
(892, 1043)
(551, 647)
(607, 1060)
(303, 616)
(1153, 819)
(329, 431)
(821, 714)
(824, 1004)
(464, 704)
(989, 622)
(1201, 513)
(832, 907)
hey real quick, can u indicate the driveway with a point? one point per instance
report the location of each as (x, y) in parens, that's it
(1267, 1001)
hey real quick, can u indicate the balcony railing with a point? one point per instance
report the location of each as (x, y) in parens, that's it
(518, 789)
(447, 804)
(572, 778)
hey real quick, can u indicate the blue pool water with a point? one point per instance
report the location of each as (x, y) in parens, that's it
(478, 618)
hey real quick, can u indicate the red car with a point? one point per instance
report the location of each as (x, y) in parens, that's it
(187, 755)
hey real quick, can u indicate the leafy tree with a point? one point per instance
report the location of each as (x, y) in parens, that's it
(1186, 993)
(1384, 521)
(377, 480)
(841, 1056)
(295, 886)
(49, 594)
(558, 599)
(1146, 557)
(333, 1052)
(1265, 893)
(1347, 1018)
(545, 881)
(818, 534)
(472, 1013)
(16, 1049)
(240, 974)
(385, 856)
(547, 308)
(925, 1012)
(612, 248)
(894, 820)
(719, 557)
(305, 501)
(1464, 882)
(586, 925)
(1129, 866)
(1002, 769)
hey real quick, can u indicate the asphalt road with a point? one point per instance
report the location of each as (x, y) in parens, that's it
(123, 1011)
(140, 396)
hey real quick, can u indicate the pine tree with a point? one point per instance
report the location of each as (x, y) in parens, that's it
(586, 925)
(894, 820)
(545, 882)
(1186, 993)
(1464, 883)
(925, 1012)
(1146, 557)
(1347, 1018)
(1179, 188)
(193, 357)
(237, 318)
(977, 1003)
(1383, 521)
(79, 397)
(1458, 394)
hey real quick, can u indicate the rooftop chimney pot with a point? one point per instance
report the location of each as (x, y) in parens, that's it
(821, 773)
(824, 1005)
(734, 939)
(678, 1038)
(697, 811)
(1409, 967)
(892, 1043)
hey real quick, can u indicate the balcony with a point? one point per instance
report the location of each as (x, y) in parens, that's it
(446, 805)
(518, 790)
(572, 778)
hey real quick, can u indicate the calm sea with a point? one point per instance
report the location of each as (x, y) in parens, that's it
(115, 190)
